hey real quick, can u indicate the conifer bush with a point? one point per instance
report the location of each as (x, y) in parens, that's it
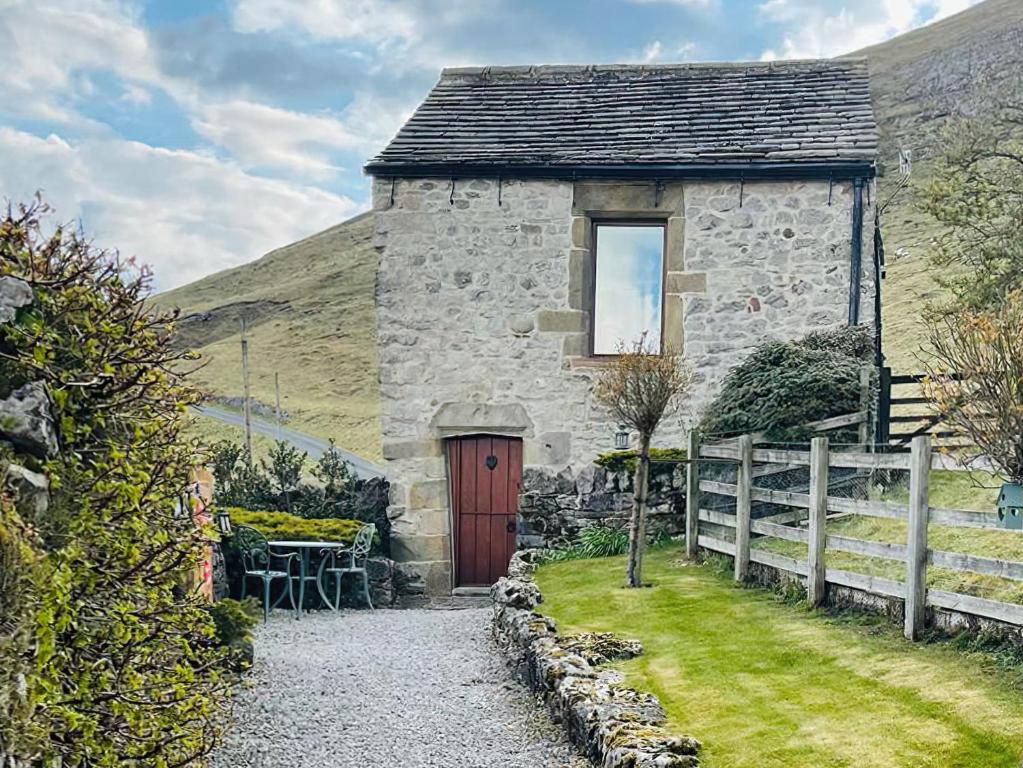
(783, 385)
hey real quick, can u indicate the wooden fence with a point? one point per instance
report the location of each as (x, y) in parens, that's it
(914, 553)
(904, 411)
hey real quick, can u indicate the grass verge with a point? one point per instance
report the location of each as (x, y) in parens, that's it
(764, 684)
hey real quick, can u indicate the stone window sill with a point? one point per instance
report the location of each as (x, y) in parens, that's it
(591, 362)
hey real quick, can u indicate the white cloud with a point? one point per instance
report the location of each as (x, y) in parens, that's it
(299, 144)
(371, 20)
(47, 43)
(404, 34)
(184, 213)
(260, 135)
(657, 52)
(652, 52)
(817, 31)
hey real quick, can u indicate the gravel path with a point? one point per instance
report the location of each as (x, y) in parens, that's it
(395, 688)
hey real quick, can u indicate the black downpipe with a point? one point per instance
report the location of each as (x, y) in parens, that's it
(878, 273)
(856, 265)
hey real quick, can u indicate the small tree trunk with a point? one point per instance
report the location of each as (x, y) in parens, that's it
(637, 527)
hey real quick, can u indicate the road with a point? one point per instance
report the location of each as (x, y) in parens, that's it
(314, 446)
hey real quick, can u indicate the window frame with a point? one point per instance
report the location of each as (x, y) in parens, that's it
(630, 221)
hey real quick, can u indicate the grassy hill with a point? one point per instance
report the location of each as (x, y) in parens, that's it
(309, 311)
(959, 66)
(309, 305)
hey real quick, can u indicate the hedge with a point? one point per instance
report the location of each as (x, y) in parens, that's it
(281, 525)
(625, 461)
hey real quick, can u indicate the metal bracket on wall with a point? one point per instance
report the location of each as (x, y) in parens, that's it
(393, 179)
(831, 187)
(451, 196)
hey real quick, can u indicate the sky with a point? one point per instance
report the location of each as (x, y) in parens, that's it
(197, 135)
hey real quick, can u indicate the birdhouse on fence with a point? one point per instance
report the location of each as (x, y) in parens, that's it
(1010, 507)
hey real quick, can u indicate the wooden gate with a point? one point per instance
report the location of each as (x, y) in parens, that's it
(485, 473)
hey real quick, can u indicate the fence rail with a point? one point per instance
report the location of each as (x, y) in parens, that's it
(704, 525)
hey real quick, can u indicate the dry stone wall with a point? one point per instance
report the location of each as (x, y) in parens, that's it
(482, 319)
(615, 726)
(555, 506)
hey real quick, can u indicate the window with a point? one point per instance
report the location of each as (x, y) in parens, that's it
(628, 282)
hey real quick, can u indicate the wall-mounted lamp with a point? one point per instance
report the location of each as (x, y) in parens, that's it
(621, 438)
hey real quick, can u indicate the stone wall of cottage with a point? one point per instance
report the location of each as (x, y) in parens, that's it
(482, 323)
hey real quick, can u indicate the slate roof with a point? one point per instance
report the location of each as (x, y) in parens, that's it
(813, 113)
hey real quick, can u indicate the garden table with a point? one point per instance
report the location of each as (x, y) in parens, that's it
(304, 549)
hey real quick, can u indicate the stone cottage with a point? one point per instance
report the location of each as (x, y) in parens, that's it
(530, 219)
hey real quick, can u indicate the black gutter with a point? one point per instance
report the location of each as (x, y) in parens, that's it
(838, 171)
(856, 261)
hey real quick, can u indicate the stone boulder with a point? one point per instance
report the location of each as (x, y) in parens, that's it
(31, 492)
(26, 421)
(14, 294)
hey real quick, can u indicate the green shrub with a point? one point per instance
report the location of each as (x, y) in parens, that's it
(233, 620)
(594, 541)
(281, 525)
(662, 460)
(114, 660)
(783, 385)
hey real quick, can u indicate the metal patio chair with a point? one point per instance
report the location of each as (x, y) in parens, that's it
(338, 562)
(256, 560)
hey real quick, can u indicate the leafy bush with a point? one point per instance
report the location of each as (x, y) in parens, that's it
(113, 660)
(625, 461)
(233, 621)
(281, 525)
(783, 385)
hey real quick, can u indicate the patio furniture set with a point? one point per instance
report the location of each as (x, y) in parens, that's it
(272, 561)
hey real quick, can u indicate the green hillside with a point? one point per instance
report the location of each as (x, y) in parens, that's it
(961, 65)
(309, 305)
(309, 310)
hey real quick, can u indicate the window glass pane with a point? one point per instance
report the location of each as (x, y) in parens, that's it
(628, 286)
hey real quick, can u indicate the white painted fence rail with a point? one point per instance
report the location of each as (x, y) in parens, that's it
(915, 554)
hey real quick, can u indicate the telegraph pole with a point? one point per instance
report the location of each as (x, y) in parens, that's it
(247, 405)
(277, 389)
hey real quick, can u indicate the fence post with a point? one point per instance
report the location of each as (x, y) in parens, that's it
(818, 516)
(744, 487)
(884, 406)
(693, 495)
(916, 550)
(864, 434)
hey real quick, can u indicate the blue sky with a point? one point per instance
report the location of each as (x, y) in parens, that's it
(198, 135)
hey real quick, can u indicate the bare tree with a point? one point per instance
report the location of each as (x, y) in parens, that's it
(985, 401)
(639, 389)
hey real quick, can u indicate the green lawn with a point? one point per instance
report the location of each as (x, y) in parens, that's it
(767, 685)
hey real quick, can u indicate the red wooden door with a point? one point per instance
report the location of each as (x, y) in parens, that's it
(485, 476)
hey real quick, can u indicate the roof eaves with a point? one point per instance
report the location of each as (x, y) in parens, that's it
(837, 169)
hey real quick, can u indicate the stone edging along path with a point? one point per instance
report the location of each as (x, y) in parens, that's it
(615, 726)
